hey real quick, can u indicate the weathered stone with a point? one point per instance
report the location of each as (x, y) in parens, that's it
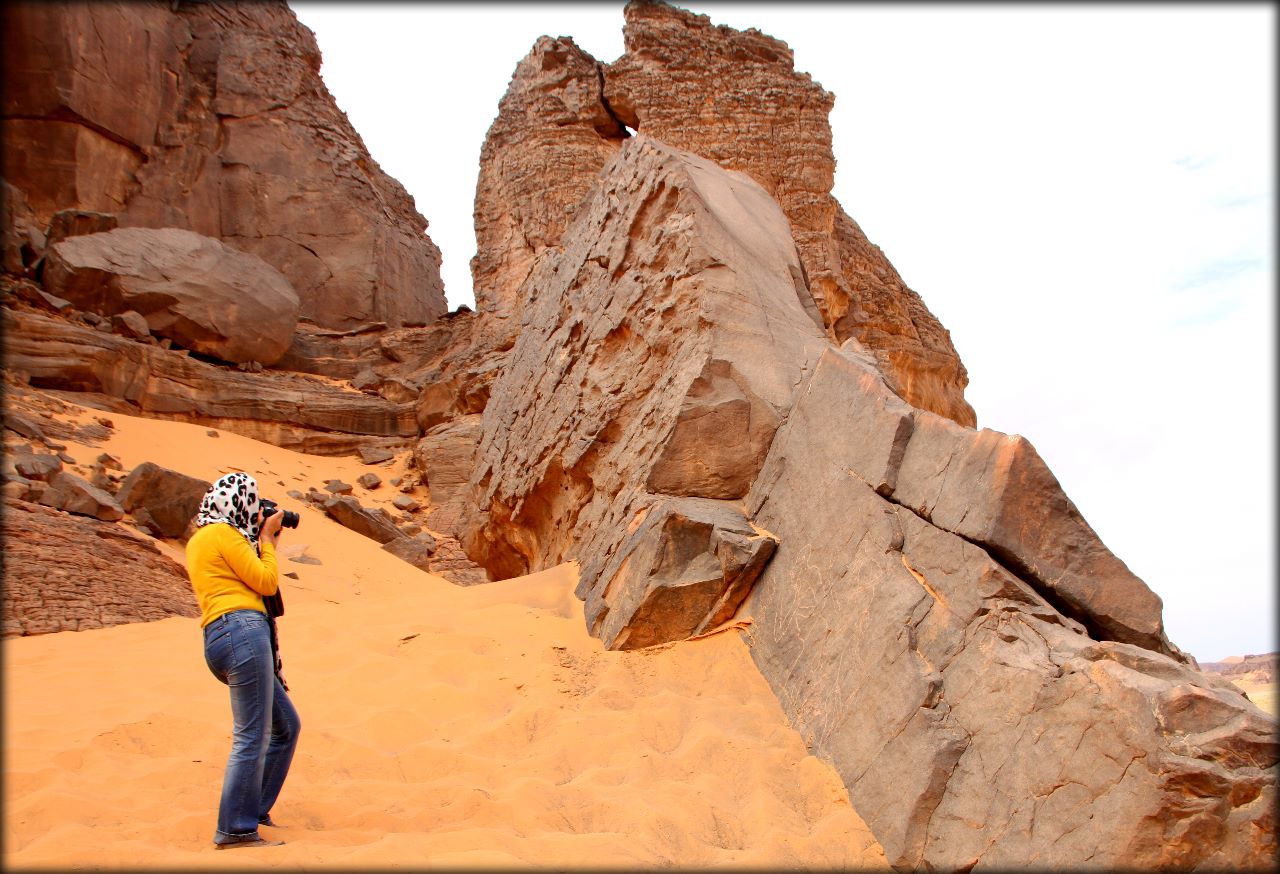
(685, 566)
(733, 97)
(20, 244)
(405, 503)
(375, 454)
(130, 324)
(109, 461)
(196, 291)
(290, 410)
(146, 522)
(213, 119)
(37, 465)
(972, 722)
(451, 562)
(552, 134)
(445, 455)
(373, 522)
(416, 550)
(77, 223)
(171, 498)
(338, 487)
(369, 480)
(660, 351)
(71, 493)
(994, 490)
(66, 573)
(23, 424)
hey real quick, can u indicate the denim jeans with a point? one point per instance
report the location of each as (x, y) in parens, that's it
(237, 649)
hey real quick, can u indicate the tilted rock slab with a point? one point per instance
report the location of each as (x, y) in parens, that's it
(171, 499)
(203, 295)
(659, 353)
(65, 573)
(293, 411)
(213, 118)
(730, 96)
(972, 722)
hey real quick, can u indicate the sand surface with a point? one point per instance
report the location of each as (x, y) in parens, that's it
(441, 726)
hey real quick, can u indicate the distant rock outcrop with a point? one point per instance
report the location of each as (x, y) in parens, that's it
(211, 117)
(730, 96)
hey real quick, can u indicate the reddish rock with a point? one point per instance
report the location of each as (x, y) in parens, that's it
(213, 119)
(445, 455)
(130, 324)
(416, 550)
(369, 480)
(662, 348)
(69, 492)
(374, 522)
(294, 411)
(203, 295)
(733, 97)
(170, 498)
(65, 573)
(684, 567)
(77, 223)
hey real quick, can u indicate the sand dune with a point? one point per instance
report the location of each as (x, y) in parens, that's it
(442, 726)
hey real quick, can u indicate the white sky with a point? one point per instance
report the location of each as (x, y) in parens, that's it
(1082, 194)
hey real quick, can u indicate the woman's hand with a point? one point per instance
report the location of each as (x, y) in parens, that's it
(271, 527)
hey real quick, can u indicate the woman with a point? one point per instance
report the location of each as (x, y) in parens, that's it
(231, 560)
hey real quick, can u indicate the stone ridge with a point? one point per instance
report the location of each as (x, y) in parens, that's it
(213, 118)
(729, 96)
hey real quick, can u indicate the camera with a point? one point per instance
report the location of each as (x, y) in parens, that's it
(270, 508)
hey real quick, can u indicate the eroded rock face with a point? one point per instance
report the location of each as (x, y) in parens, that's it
(659, 353)
(293, 411)
(65, 573)
(203, 295)
(212, 118)
(971, 720)
(735, 98)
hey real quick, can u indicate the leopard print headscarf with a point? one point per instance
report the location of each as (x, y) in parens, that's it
(233, 499)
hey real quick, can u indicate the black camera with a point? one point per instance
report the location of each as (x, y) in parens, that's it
(269, 508)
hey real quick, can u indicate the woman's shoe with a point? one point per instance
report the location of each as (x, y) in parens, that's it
(256, 842)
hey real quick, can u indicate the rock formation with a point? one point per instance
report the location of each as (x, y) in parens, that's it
(735, 98)
(65, 573)
(192, 289)
(213, 118)
(288, 410)
(658, 355)
(689, 371)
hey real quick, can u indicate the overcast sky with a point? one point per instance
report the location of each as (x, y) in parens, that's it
(1082, 194)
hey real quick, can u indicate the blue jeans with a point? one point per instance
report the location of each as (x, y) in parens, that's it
(237, 649)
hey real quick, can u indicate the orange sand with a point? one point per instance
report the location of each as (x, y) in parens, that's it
(442, 726)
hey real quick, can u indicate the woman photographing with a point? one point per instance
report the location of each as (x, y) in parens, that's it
(231, 560)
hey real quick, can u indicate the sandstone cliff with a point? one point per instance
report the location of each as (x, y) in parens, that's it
(212, 117)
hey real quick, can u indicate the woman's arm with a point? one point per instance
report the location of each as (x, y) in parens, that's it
(259, 574)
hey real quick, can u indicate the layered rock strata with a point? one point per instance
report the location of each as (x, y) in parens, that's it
(735, 98)
(972, 721)
(65, 573)
(293, 411)
(660, 351)
(211, 117)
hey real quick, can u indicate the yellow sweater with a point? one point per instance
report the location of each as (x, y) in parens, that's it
(226, 572)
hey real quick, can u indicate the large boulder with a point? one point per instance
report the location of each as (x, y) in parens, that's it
(171, 499)
(213, 119)
(203, 295)
(65, 573)
(660, 350)
(972, 720)
(372, 522)
(735, 98)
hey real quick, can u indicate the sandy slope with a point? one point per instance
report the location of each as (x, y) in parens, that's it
(442, 726)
